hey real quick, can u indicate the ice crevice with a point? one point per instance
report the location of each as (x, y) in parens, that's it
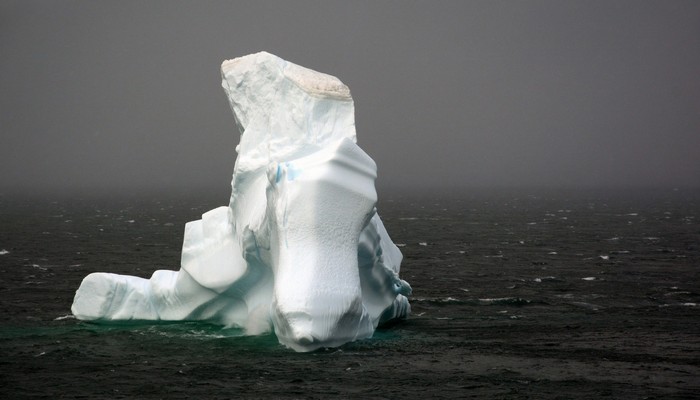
(300, 249)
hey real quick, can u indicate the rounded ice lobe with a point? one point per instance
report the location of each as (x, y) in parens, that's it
(300, 249)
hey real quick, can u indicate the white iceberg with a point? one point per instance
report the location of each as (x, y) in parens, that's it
(300, 249)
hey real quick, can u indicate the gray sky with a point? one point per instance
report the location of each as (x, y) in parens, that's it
(126, 95)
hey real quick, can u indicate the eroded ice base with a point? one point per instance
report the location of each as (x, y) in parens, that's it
(300, 249)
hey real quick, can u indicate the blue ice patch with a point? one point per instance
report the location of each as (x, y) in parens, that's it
(279, 173)
(292, 173)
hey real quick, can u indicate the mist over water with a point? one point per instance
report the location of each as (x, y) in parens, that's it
(126, 96)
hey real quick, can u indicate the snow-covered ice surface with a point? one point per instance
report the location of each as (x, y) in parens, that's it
(300, 249)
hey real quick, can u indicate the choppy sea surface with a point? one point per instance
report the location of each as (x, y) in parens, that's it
(517, 294)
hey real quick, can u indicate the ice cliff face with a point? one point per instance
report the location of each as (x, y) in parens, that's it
(300, 249)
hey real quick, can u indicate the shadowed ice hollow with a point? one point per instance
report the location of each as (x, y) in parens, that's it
(300, 249)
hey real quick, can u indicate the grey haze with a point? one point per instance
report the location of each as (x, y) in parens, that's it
(125, 95)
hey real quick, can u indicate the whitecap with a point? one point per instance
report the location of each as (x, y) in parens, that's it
(680, 304)
(436, 300)
(676, 293)
(3, 252)
(67, 316)
(512, 301)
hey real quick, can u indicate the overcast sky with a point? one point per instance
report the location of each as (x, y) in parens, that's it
(126, 95)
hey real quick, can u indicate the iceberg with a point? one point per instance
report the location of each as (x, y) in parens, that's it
(300, 250)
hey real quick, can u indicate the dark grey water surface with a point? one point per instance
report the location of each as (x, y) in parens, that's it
(517, 294)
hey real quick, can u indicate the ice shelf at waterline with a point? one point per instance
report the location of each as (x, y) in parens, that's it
(300, 249)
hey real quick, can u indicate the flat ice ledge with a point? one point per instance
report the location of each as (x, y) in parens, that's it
(300, 249)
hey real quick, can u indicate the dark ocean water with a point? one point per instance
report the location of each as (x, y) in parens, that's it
(517, 294)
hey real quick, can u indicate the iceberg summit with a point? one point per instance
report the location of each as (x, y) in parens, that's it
(300, 249)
